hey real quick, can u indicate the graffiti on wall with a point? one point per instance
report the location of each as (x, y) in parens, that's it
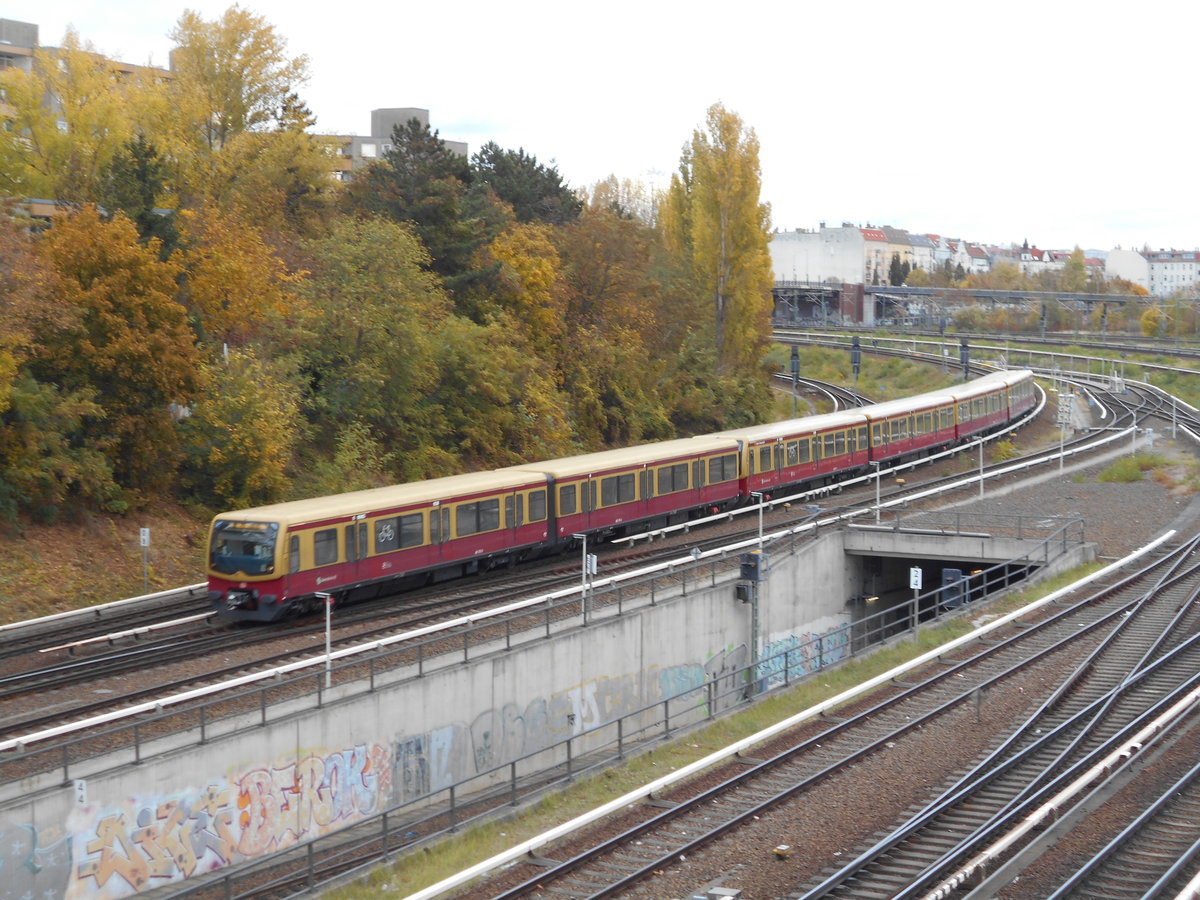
(150, 841)
(794, 656)
(30, 868)
(431, 761)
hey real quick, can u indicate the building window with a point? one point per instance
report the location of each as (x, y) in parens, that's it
(368, 151)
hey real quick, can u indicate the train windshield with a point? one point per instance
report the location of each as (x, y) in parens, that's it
(247, 547)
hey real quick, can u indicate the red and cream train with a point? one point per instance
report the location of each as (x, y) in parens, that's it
(272, 561)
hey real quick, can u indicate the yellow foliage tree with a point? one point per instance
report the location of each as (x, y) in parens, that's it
(530, 288)
(64, 120)
(235, 285)
(714, 220)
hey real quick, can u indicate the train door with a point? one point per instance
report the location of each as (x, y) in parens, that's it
(355, 548)
(439, 529)
(514, 514)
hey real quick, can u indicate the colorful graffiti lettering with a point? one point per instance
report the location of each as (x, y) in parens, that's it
(259, 811)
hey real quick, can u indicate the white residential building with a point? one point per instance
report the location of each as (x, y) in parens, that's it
(1173, 271)
(825, 256)
(1128, 264)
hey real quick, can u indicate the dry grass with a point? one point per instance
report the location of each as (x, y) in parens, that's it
(98, 559)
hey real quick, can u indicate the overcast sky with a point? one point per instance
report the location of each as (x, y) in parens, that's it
(1062, 123)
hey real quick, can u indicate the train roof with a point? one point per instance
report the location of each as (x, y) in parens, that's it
(916, 403)
(378, 499)
(989, 382)
(791, 427)
(643, 455)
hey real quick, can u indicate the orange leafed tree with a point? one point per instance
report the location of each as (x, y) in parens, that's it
(235, 285)
(127, 340)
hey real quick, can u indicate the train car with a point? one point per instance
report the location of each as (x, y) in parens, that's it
(270, 562)
(910, 427)
(606, 493)
(1022, 392)
(984, 405)
(812, 450)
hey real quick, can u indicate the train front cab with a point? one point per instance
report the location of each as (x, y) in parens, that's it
(245, 566)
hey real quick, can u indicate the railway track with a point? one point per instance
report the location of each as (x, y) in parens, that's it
(1149, 658)
(627, 864)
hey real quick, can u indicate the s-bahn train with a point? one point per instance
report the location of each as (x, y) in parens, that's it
(273, 561)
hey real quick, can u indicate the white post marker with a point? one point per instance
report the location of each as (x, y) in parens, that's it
(583, 577)
(914, 582)
(878, 474)
(144, 540)
(327, 599)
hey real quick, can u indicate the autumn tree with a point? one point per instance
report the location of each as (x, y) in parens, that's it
(422, 181)
(1074, 276)
(240, 436)
(620, 346)
(232, 75)
(47, 462)
(126, 340)
(536, 192)
(135, 182)
(715, 223)
(628, 198)
(235, 285)
(529, 287)
(369, 359)
(232, 120)
(494, 403)
(63, 122)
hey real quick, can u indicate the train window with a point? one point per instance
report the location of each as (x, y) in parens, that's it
(294, 554)
(830, 446)
(473, 518)
(325, 547)
(805, 455)
(851, 436)
(862, 437)
(519, 503)
(672, 478)
(412, 530)
(387, 535)
(617, 489)
(566, 500)
(764, 459)
(877, 434)
(537, 506)
(698, 473)
(510, 513)
(839, 443)
(647, 488)
(778, 457)
(722, 468)
(793, 452)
